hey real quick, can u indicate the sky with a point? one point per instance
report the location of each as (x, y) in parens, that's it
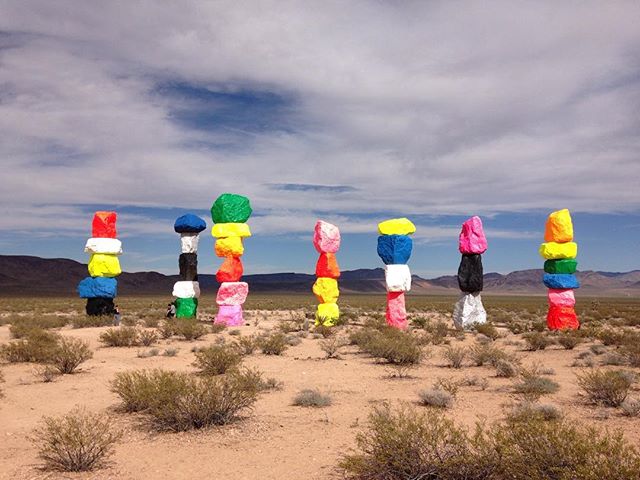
(351, 112)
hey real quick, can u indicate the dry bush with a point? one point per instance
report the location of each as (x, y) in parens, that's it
(482, 354)
(606, 387)
(526, 411)
(537, 341)
(46, 373)
(38, 346)
(170, 352)
(147, 338)
(506, 369)
(435, 397)
(610, 336)
(151, 322)
(149, 353)
(69, 354)
(569, 341)
(311, 398)
(140, 389)
(89, 321)
(474, 381)
(488, 330)
(190, 329)
(393, 345)
(423, 444)
(19, 325)
(455, 356)
(631, 352)
(247, 345)
(274, 344)
(598, 349)
(531, 386)
(120, 337)
(217, 327)
(166, 329)
(76, 442)
(217, 359)
(1, 381)
(331, 346)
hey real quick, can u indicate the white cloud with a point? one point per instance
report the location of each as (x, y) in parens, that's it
(424, 107)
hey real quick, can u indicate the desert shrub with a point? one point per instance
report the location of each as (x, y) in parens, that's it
(120, 337)
(455, 356)
(411, 444)
(149, 353)
(151, 322)
(170, 352)
(531, 386)
(46, 373)
(488, 330)
(293, 340)
(1, 381)
(605, 387)
(247, 345)
(147, 338)
(190, 329)
(474, 381)
(274, 344)
(89, 321)
(394, 346)
(37, 346)
(536, 341)
(486, 354)
(631, 353)
(235, 332)
(435, 397)
(69, 354)
(569, 341)
(166, 329)
(76, 442)
(311, 398)
(526, 411)
(630, 407)
(217, 359)
(217, 327)
(448, 385)
(207, 401)
(22, 324)
(610, 336)
(614, 358)
(140, 389)
(362, 337)
(506, 369)
(331, 346)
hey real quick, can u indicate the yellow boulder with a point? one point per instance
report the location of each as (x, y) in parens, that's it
(396, 226)
(557, 251)
(224, 230)
(229, 247)
(327, 314)
(559, 227)
(104, 265)
(326, 290)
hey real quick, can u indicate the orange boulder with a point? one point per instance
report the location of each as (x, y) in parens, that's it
(230, 270)
(327, 266)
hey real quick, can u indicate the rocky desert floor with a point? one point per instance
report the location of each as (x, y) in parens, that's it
(277, 440)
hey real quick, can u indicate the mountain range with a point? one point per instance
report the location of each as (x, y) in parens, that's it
(27, 275)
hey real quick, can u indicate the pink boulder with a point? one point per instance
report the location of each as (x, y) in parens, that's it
(472, 239)
(232, 293)
(561, 297)
(326, 237)
(396, 311)
(230, 315)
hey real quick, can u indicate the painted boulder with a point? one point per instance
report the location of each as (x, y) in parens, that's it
(394, 249)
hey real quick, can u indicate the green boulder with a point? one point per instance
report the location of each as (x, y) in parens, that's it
(186, 307)
(231, 208)
(566, 265)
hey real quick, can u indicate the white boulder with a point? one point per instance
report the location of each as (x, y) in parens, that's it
(111, 246)
(185, 289)
(469, 311)
(397, 278)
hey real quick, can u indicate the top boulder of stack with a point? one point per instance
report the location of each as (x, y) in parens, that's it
(396, 226)
(326, 237)
(104, 225)
(472, 238)
(189, 223)
(231, 208)
(559, 227)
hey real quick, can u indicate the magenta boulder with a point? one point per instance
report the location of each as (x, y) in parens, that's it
(472, 239)
(326, 237)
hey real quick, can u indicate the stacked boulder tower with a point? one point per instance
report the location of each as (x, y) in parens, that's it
(560, 252)
(472, 243)
(326, 240)
(394, 248)
(230, 213)
(187, 289)
(100, 287)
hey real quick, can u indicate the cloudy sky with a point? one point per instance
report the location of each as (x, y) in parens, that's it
(353, 112)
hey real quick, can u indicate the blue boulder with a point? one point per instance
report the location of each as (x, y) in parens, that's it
(189, 223)
(394, 249)
(560, 280)
(98, 287)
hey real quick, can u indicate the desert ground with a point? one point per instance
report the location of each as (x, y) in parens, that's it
(276, 439)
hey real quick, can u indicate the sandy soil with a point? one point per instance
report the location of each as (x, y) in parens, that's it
(277, 440)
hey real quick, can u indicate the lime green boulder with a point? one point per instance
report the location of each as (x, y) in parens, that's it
(566, 265)
(231, 208)
(186, 307)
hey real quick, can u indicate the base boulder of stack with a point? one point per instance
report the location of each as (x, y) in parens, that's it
(230, 315)
(469, 311)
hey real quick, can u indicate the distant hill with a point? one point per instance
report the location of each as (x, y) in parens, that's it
(25, 275)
